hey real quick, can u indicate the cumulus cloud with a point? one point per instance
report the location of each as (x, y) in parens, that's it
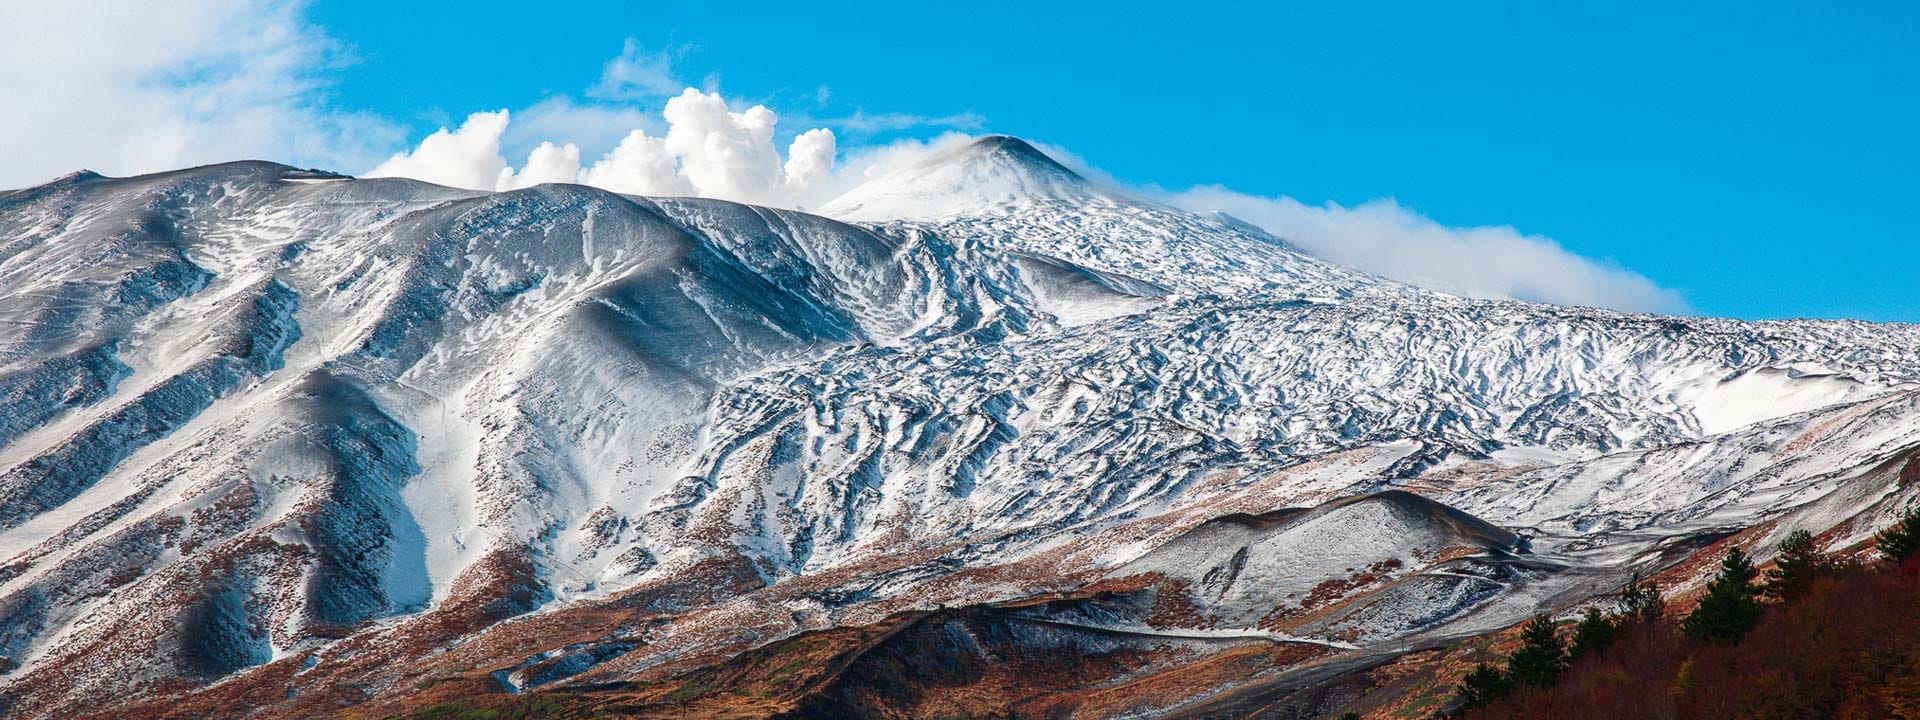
(809, 159)
(723, 153)
(468, 157)
(697, 143)
(1488, 261)
(548, 163)
(639, 165)
(709, 149)
(177, 84)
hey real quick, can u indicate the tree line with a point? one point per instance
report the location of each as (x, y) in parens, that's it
(1815, 637)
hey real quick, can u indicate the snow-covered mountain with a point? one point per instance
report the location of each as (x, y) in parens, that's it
(293, 441)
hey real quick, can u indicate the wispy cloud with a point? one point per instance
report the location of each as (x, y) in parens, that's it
(180, 84)
(594, 126)
(638, 74)
(1385, 238)
(862, 122)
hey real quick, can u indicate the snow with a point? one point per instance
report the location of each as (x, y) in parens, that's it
(1766, 393)
(987, 175)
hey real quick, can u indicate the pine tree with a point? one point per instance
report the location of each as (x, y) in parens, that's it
(1641, 603)
(1798, 564)
(1730, 607)
(1483, 684)
(1594, 634)
(1902, 540)
(1541, 658)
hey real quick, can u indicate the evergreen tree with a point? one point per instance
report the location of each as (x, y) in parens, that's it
(1483, 684)
(1730, 607)
(1594, 634)
(1541, 658)
(1902, 540)
(1798, 564)
(1641, 603)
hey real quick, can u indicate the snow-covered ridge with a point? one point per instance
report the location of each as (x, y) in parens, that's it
(991, 174)
(247, 410)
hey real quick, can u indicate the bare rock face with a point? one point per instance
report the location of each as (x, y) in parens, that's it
(278, 443)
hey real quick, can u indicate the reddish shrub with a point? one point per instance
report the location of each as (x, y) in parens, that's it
(1847, 648)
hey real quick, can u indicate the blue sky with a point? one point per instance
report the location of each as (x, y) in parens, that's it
(1756, 159)
(1762, 158)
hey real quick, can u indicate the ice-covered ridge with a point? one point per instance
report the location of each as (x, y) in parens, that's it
(994, 173)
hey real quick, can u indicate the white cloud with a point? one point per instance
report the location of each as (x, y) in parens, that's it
(809, 160)
(548, 163)
(862, 122)
(723, 153)
(708, 150)
(1386, 239)
(639, 165)
(128, 87)
(592, 126)
(637, 74)
(871, 161)
(468, 157)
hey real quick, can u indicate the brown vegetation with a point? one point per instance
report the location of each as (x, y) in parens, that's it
(1846, 648)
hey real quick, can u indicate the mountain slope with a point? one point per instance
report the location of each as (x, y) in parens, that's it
(312, 441)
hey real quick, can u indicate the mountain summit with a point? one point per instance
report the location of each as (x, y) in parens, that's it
(997, 171)
(1014, 152)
